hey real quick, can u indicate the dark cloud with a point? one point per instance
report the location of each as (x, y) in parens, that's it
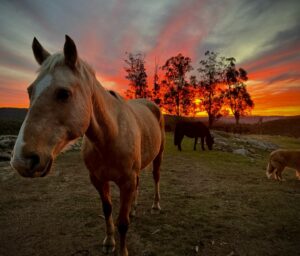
(13, 60)
(260, 34)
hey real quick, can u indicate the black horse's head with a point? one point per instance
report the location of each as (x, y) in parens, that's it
(209, 141)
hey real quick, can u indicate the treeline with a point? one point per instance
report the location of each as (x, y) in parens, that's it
(219, 89)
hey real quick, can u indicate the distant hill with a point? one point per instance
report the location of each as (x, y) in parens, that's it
(231, 120)
(13, 114)
(250, 119)
(11, 120)
(273, 125)
(288, 126)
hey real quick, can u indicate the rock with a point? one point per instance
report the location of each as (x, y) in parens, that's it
(241, 151)
(7, 143)
(264, 145)
(239, 144)
(4, 156)
(232, 253)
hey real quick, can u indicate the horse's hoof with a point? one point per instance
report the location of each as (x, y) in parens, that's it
(155, 208)
(107, 249)
(155, 211)
(270, 176)
(108, 245)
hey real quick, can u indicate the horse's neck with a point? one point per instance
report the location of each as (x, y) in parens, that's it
(103, 124)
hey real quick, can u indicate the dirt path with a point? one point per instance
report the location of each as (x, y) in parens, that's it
(213, 203)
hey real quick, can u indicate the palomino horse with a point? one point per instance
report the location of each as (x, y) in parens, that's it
(120, 137)
(192, 129)
(281, 158)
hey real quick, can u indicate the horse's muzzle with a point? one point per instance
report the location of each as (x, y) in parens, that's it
(31, 166)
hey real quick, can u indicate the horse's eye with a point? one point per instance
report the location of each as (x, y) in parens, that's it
(63, 95)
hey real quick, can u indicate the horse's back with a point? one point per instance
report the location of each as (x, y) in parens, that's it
(154, 109)
(192, 128)
(151, 124)
(290, 158)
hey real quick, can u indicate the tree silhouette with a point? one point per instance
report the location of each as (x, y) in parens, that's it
(156, 91)
(238, 98)
(195, 95)
(177, 94)
(136, 74)
(219, 89)
(211, 85)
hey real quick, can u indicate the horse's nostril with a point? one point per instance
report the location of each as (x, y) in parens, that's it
(34, 161)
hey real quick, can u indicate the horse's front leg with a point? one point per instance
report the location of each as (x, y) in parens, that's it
(195, 143)
(127, 193)
(278, 173)
(202, 143)
(104, 191)
(135, 198)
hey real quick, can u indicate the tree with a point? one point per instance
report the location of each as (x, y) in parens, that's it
(238, 98)
(195, 95)
(240, 102)
(156, 91)
(176, 96)
(136, 74)
(211, 85)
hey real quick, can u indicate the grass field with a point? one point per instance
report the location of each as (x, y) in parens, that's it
(213, 203)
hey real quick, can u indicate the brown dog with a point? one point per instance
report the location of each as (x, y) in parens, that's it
(281, 158)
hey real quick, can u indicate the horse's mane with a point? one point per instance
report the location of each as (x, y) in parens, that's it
(116, 95)
(58, 59)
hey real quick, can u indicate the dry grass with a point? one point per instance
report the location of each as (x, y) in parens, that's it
(216, 202)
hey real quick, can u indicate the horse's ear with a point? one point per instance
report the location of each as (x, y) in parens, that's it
(39, 52)
(70, 52)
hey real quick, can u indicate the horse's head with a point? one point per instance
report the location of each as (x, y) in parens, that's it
(209, 141)
(59, 111)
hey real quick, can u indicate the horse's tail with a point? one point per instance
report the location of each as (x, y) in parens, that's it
(177, 135)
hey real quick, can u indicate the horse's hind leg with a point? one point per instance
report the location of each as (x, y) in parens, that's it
(104, 191)
(202, 143)
(195, 143)
(179, 142)
(135, 199)
(156, 177)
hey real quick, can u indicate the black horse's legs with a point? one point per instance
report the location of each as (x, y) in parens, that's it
(179, 146)
(196, 140)
(202, 143)
(179, 142)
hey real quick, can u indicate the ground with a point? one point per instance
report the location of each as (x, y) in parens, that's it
(213, 203)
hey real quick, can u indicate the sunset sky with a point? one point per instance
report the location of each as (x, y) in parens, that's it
(263, 36)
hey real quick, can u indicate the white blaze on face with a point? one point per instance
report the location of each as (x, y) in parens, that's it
(44, 83)
(17, 151)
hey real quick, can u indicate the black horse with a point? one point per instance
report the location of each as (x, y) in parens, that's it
(193, 129)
